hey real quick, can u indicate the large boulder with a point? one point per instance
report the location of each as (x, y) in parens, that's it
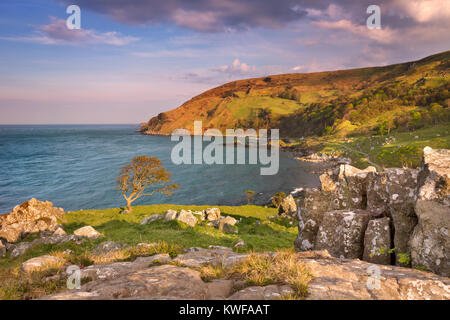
(224, 226)
(87, 232)
(312, 206)
(42, 263)
(342, 233)
(170, 215)
(29, 217)
(212, 214)
(341, 189)
(350, 191)
(394, 192)
(430, 241)
(434, 178)
(377, 241)
(288, 207)
(187, 217)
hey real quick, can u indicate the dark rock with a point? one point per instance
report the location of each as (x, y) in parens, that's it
(377, 242)
(394, 190)
(312, 207)
(151, 218)
(430, 241)
(22, 247)
(107, 247)
(342, 233)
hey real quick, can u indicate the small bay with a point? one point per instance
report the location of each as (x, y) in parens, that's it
(76, 166)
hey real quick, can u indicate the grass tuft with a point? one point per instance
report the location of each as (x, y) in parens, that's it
(281, 268)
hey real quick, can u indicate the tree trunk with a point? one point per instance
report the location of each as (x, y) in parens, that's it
(129, 208)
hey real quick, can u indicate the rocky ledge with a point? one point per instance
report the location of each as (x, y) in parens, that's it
(396, 216)
(160, 277)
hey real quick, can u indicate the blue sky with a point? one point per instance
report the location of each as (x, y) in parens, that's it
(135, 58)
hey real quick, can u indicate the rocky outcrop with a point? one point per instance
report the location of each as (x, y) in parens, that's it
(350, 191)
(156, 277)
(191, 218)
(312, 206)
(151, 218)
(166, 282)
(430, 242)
(30, 217)
(393, 191)
(117, 269)
(344, 279)
(407, 211)
(377, 241)
(187, 218)
(22, 247)
(288, 207)
(196, 257)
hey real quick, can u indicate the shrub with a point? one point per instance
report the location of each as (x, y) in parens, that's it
(278, 198)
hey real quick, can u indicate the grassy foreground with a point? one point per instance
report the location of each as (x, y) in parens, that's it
(258, 232)
(262, 236)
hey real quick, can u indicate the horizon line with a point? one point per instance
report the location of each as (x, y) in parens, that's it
(62, 124)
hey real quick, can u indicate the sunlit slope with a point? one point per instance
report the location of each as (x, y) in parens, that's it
(356, 101)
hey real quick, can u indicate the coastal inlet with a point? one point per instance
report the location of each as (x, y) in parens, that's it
(76, 166)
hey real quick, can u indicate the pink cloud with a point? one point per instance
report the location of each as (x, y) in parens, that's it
(57, 33)
(424, 10)
(236, 68)
(385, 35)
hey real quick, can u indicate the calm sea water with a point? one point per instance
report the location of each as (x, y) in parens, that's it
(76, 166)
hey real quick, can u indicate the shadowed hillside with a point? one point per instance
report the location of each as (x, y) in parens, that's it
(405, 97)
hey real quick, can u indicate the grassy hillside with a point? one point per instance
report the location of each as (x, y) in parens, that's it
(378, 100)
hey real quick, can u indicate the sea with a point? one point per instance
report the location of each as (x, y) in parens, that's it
(76, 167)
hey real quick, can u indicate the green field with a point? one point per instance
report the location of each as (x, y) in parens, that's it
(243, 107)
(397, 149)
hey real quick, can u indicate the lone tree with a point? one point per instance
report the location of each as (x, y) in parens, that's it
(143, 177)
(249, 194)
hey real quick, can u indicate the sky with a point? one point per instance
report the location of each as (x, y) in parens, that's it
(133, 59)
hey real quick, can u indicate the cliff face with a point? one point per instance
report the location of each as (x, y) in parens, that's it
(307, 104)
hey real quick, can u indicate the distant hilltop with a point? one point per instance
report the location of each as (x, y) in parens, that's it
(401, 96)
